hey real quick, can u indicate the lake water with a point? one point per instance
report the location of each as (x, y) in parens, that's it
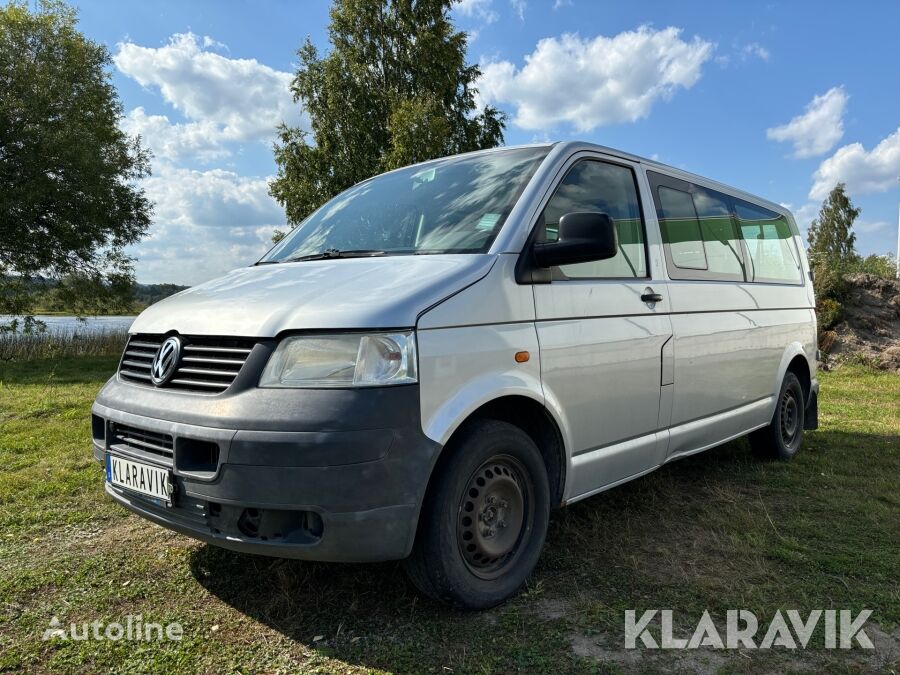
(66, 325)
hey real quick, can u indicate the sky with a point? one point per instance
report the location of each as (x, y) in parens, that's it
(782, 99)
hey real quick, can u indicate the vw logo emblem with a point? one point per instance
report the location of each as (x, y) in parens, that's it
(165, 363)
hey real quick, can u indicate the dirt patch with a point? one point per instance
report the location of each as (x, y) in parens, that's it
(552, 609)
(869, 329)
(886, 655)
(608, 650)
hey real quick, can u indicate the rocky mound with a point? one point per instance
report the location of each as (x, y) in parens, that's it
(869, 329)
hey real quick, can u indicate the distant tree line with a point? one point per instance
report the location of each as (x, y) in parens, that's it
(52, 295)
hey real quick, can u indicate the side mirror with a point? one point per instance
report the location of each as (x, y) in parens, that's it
(583, 237)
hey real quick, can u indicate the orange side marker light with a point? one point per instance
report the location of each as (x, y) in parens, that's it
(522, 357)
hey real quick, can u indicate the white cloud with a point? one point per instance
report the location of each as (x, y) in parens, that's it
(741, 54)
(235, 100)
(478, 9)
(558, 4)
(757, 50)
(592, 82)
(205, 223)
(818, 129)
(202, 140)
(518, 7)
(863, 171)
(214, 44)
(213, 198)
(190, 255)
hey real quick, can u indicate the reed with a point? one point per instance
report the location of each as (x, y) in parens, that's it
(27, 347)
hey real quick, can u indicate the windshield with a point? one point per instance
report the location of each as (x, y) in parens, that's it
(452, 205)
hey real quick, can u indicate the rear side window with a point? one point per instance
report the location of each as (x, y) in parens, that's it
(720, 238)
(770, 244)
(698, 232)
(600, 187)
(712, 235)
(681, 229)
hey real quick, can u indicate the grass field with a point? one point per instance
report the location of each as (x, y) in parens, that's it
(716, 531)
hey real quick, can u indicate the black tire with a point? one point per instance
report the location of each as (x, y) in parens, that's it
(784, 435)
(484, 520)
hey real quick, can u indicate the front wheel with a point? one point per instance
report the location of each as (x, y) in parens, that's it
(784, 435)
(484, 520)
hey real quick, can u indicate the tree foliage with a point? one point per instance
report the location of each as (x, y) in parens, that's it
(831, 238)
(69, 204)
(394, 89)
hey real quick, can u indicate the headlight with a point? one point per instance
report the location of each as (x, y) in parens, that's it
(343, 360)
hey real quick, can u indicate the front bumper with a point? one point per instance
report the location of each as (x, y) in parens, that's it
(332, 475)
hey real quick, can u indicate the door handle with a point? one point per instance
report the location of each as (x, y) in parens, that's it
(651, 297)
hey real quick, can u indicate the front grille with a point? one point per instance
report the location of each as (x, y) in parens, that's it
(141, 439)
(208, 364)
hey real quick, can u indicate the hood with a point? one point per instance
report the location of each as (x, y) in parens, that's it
(261, 301)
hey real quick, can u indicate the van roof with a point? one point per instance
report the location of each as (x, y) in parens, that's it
(568, 147)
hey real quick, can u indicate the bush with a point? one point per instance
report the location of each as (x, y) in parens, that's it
(829, 312)
(883, 266)
(828, 281)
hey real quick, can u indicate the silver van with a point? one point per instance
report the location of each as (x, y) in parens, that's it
(441, 355)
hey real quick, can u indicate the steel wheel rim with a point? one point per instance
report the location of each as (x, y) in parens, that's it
(495, 513)
(790, 418)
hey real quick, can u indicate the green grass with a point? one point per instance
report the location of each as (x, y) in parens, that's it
(716, 531)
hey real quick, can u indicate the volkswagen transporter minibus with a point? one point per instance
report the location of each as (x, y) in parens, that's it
(440, 355)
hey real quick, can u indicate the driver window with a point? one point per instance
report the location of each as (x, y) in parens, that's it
(604, 188)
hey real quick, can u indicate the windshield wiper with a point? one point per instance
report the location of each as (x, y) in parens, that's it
(336, 253)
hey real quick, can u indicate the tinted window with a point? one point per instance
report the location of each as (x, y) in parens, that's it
(698, 232)
(602, 188)
(681, 229)
(770, 244)
(720, 240)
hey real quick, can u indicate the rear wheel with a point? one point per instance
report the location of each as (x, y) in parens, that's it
(484, 520)
(784, 435)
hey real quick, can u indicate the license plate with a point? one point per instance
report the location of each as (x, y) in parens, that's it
(138, 477)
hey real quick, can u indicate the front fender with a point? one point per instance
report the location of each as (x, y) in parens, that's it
(465, 401)
(462, 368)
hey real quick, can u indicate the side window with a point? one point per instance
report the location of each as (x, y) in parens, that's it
(698, 231)
(604, 188)
(720, 240)
(770, 244)
(681, 229)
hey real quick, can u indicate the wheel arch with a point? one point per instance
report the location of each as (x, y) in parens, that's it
(795, 360)
(529, 413)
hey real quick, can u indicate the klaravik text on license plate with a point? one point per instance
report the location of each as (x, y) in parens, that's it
(138, 477)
